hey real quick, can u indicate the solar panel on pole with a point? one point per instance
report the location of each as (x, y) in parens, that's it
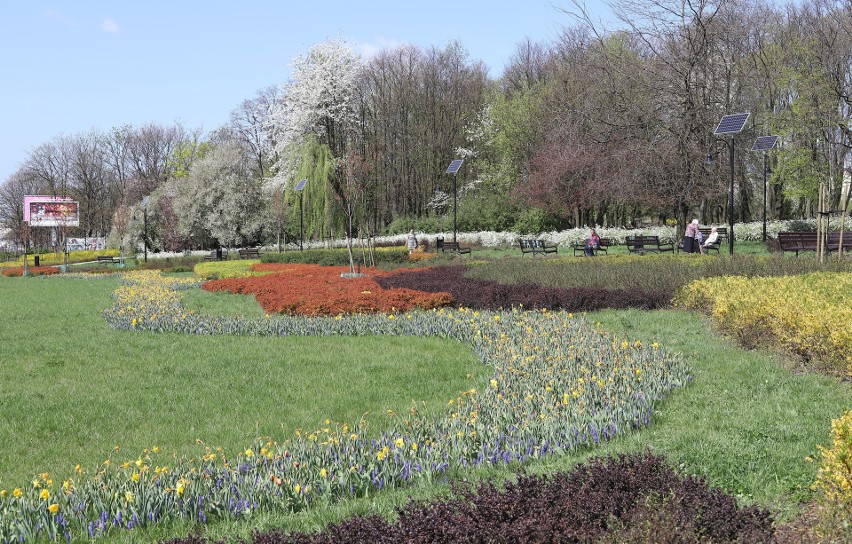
(301, 184)
(732, 124)
(454, 166)
(764, 143)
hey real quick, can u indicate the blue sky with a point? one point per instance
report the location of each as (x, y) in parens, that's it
(69, 66)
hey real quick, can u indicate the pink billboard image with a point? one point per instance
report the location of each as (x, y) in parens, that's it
(51, 211)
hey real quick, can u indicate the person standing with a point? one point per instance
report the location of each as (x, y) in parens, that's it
(689, 245)
(412, 242)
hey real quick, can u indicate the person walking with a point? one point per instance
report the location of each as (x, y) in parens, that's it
(412, 242)
(689, 245)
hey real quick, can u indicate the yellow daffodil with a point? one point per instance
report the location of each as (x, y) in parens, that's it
(53, 508)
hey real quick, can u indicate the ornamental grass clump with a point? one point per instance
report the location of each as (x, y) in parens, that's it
(558, 384)
(808, 315)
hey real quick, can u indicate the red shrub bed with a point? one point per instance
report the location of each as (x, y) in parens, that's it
(32, 271)
(320, 290)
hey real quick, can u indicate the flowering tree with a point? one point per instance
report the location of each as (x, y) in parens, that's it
(220, 199)
(317, 101)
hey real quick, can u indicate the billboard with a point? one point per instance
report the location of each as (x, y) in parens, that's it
(51, 211)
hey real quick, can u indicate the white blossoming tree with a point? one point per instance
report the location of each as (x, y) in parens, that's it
(220, 199)
(318, 101)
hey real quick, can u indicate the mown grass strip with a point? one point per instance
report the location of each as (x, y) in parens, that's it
(72, 388)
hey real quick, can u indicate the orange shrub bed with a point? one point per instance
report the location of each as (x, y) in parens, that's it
(18, 271)
(309, 289)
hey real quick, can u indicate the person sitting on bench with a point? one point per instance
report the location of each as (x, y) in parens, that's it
(712, 238)
(593, 242)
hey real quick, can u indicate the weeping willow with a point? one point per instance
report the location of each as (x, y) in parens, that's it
(323, 216)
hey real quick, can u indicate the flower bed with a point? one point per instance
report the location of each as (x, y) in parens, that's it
(558, 385)
(319, 290)
(59, 258)
(807, 314)
(487, 294)
(631, 498)
(32, 271)
(226, 269)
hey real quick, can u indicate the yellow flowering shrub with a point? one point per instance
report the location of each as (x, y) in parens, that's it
(48, 259)
(834, 483)
(226, 269)
(808, 314)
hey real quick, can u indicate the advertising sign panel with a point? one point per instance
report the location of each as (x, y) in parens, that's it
(51, 211)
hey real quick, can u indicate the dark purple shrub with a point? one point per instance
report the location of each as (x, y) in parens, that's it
(490, 295)
(621, 499)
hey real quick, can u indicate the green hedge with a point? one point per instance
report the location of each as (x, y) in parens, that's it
(336, 256)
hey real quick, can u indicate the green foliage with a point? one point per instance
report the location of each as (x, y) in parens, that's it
(336, 256)
(322, 214)
(431, 223)
(534, 221)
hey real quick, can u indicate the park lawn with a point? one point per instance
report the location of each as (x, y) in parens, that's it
(747, 423)
(72, 389)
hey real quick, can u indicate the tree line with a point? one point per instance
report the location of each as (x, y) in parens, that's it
(598, 126)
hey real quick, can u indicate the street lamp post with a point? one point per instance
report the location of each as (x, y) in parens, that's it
(453, 169)
(300, 187)
(764, 143)
(730, 124)
(145, 226)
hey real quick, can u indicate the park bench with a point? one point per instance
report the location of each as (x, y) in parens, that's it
(642, 244)
(249, 253)
(107, 259)
(217, 255)
(705, 232)
(452, 247)
(798, 241)
(603, 246)
(536, 246)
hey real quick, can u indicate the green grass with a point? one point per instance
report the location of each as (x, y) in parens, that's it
(746, 424)
(748, 421)
(71, 388)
